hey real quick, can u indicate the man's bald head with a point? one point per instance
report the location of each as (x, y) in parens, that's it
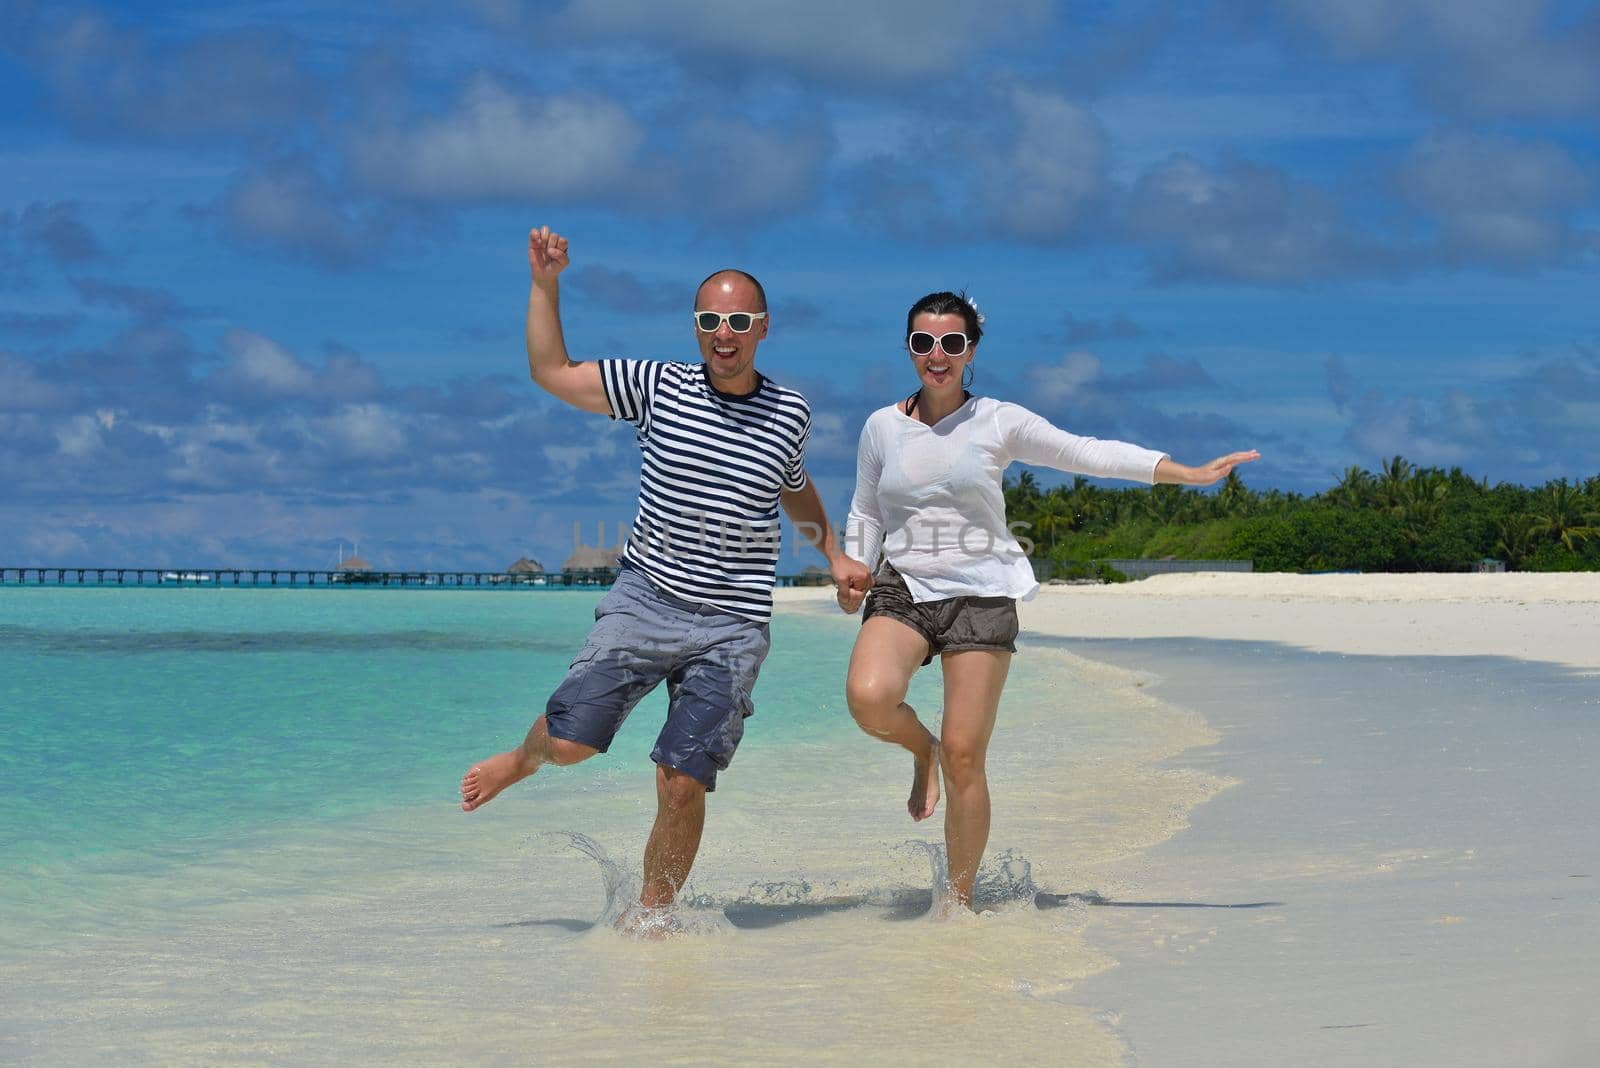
(729, 277)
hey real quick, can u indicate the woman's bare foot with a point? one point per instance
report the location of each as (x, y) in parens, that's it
(925, 783)
(488, 777)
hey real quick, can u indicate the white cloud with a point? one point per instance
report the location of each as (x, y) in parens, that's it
(290, 204)
(80, 436)
(1038, 186)
(1059, 384)
(363, 431)
(497, 144)
(837, 40)
(22, 389)
(1242, 221)
(1496, 199)
(264, 364)
(1482, 57)
(118, 80)
(1528, 424)
(731, 169)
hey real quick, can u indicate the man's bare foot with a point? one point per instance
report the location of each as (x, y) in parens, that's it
(925, 784)
(648, 924)
(488, 777)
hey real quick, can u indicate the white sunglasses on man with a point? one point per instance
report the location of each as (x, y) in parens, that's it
(710, 322)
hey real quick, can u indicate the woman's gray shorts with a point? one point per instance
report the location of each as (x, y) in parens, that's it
(951, 625)
(642, 636)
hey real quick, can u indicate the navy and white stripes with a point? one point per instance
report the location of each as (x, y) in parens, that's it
(714, 464)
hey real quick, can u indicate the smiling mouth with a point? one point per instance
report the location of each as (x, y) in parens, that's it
(938, 369)
(721, 351)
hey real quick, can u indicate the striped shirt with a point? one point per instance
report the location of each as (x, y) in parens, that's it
(714, 464)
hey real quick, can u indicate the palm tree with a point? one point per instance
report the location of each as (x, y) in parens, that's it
(1120, 506)
(1513, 540)
(1166, 503)
(1391, 485)
(1023, 494)
(1423, 498)
(1354, 490)
(1088, 502)
(1056, 516)
(1564, 514)
(1234, 498)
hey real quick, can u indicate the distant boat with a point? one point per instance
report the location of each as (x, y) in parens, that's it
(184, 576)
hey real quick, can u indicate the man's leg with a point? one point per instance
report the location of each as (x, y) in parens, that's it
(675, 838)
(626, 655)
(973, 680)
(886, 654)
(708, 698)
(488, 777)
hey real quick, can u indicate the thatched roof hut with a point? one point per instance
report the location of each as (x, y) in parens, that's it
(353, 563)
(525, 565)
(590, 558)
(814, 576)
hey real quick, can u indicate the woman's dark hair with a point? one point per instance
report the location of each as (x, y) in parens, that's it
(947, 303)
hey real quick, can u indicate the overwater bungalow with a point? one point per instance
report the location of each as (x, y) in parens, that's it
(527, 571)
(589, 563)
(353, 569)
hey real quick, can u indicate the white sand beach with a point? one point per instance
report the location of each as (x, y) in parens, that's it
(1550, 617)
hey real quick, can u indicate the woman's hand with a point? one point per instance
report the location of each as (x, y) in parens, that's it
(1205, 474)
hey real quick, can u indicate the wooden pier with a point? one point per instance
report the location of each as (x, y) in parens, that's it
(283, 576)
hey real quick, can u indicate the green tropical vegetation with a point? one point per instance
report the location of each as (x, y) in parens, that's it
(1399, 518)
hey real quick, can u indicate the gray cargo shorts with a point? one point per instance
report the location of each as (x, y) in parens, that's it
(950, 626)
(708, 657)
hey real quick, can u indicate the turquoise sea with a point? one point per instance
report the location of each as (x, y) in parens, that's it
(230, 832)
(149, 727)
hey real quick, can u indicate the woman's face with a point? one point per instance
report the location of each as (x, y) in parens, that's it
(938, 368)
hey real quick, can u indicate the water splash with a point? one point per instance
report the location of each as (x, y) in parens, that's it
(622, 913)
(1004, 881)
(621, 887)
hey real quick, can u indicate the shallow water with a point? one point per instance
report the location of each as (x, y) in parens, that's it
(230, 833)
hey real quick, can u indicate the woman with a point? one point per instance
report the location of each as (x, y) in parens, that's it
(928, 496)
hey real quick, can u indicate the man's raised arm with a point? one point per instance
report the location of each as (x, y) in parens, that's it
(576, 383)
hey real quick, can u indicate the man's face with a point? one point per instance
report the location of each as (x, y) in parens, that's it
(730, 357)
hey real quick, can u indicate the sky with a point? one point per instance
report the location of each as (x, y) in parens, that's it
(263, 265)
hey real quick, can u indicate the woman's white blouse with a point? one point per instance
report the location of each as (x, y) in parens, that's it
(930, 499)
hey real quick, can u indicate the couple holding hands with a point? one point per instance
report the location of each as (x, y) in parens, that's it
(926, 548)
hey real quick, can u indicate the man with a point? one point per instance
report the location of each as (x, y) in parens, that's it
(723, 446)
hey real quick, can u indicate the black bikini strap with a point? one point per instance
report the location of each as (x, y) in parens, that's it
(911, 401)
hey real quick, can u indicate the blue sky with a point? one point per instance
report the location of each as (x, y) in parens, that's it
(262, 266)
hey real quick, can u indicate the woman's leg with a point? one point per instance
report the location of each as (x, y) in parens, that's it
(973, 680)
(886, 655)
